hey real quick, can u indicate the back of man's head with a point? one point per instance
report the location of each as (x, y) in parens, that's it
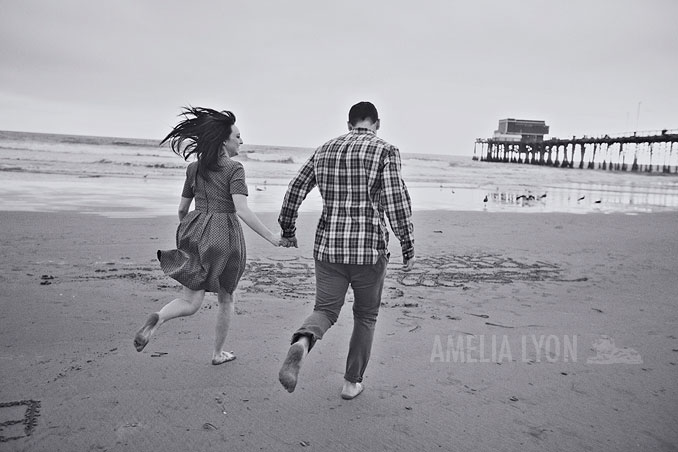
(363, 111)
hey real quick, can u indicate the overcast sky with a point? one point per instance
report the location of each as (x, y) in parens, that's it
(441, 73)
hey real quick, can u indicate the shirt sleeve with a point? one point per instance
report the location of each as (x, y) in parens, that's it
(187, 192)
(398, 206)
(297, 190)
(238, 185)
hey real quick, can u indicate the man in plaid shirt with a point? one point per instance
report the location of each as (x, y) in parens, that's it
(358, 175)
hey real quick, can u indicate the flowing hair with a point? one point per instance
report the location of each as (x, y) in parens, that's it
(202, 132)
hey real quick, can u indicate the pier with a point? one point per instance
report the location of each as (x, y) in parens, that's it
(521, 141)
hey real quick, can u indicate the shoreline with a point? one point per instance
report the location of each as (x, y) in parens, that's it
(606, 280)
(140, 197)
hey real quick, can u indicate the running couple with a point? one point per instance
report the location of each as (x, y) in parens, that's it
(359, 178)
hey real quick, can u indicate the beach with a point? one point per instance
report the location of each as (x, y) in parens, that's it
(533, 146)
(540, 315)
(514, 332)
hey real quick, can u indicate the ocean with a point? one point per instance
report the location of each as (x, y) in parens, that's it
(122, 177)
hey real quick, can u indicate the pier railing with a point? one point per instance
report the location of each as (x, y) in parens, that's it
(646, 151)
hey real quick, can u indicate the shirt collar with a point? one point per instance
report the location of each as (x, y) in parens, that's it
(362, 130)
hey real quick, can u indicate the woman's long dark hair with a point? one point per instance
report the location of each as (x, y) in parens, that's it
(204, 130)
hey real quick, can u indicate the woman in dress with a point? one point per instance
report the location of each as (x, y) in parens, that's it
(210, 254)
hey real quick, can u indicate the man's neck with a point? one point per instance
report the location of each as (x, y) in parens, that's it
(366, 124)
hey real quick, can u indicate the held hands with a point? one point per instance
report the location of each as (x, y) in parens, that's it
(279, 240)
(408, 264)
(289, 242)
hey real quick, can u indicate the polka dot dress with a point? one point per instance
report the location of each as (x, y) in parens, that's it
(210, 252)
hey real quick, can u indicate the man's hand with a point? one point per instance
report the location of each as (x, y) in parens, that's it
(289, 242)
(408, 264)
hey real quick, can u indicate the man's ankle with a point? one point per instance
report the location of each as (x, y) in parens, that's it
(305, 342)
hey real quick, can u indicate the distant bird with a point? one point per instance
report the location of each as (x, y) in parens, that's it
(581, 198)
(598, 202)
(520, 197)
(485, 200)
(530, 198)
(542, 196)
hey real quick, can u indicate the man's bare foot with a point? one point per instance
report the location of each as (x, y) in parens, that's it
(351, 390)
(144, 334)
(289, 372)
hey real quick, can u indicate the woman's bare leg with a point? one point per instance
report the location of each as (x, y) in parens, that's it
(188, 304)
(224, 315)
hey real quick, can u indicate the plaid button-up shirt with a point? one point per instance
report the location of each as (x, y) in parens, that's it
(358, 175)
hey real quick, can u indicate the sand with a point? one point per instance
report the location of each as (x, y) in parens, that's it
(515, 332)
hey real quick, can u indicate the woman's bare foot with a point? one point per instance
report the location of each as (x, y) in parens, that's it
(222, 357)
(351, 390)
(289, 372)
(144, 334)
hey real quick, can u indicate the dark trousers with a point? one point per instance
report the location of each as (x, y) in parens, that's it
(332, 281)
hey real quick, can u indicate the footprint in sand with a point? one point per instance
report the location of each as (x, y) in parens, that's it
(608, 353)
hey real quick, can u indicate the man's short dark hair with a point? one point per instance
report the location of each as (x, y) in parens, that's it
(361, 111)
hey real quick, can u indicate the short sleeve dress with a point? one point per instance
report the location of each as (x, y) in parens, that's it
(210, 252)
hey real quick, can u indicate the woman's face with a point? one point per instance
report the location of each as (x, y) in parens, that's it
(232, 145)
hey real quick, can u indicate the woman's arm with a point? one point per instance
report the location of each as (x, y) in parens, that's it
(253, 221)
(184, 205)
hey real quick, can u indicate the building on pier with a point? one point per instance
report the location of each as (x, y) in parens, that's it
(526, 130)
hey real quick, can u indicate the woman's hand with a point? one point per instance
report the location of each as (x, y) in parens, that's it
(275, 239)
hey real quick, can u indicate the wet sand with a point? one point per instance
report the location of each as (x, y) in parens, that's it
(514, 332)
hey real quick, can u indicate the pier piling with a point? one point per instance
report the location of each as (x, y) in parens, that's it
(653, 151)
